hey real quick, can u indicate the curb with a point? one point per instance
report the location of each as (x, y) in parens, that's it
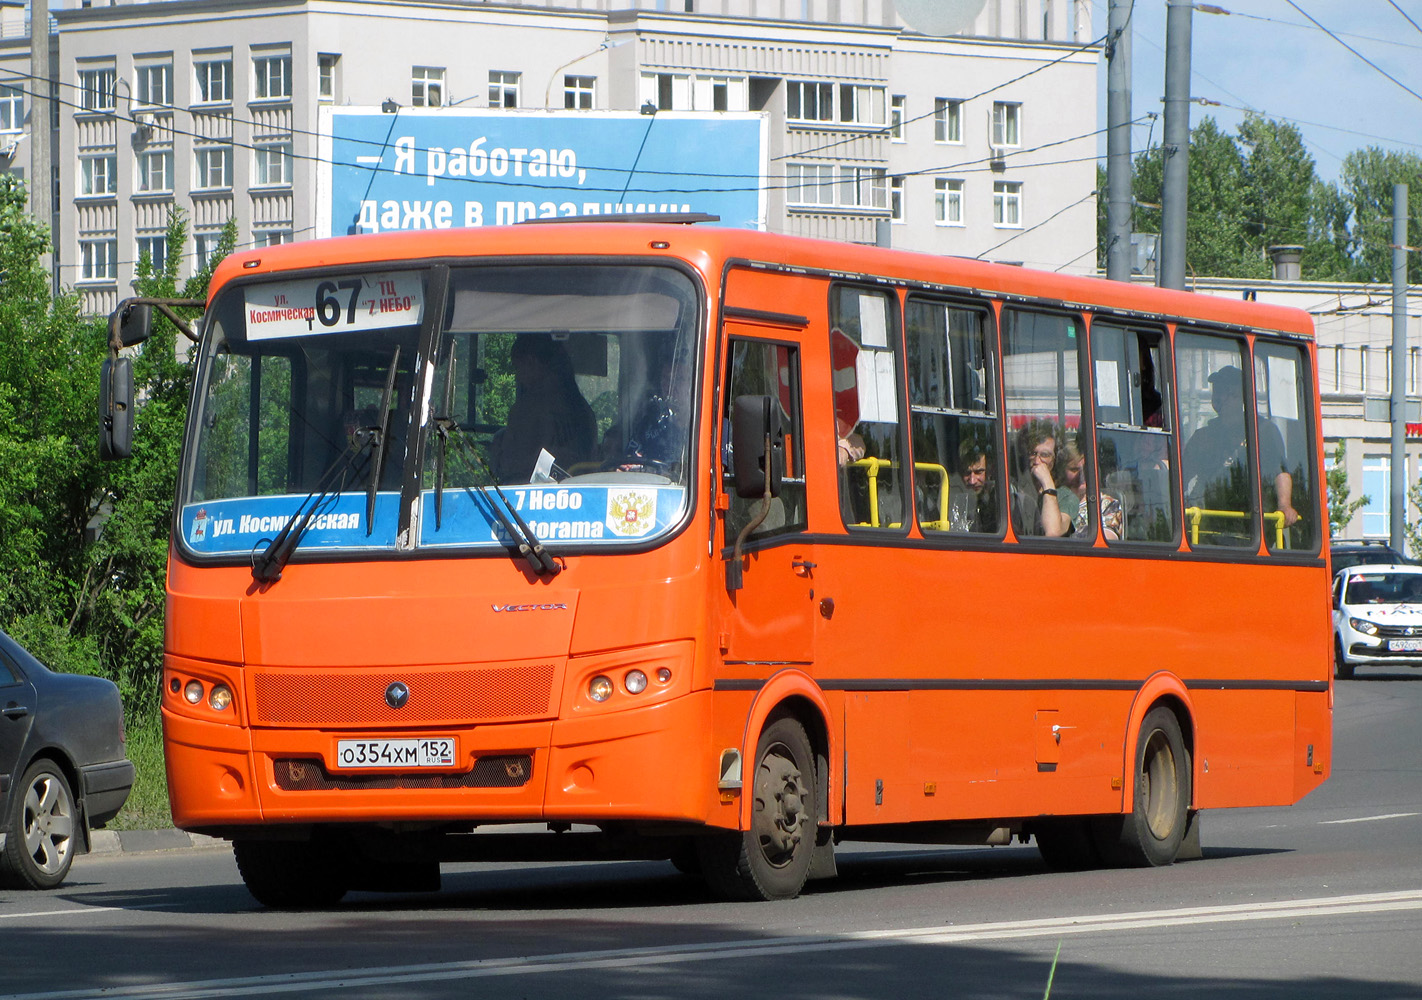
(133, 841)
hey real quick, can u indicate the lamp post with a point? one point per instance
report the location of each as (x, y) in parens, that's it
(607, 43)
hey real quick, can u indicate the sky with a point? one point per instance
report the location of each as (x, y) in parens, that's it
(1266, 56)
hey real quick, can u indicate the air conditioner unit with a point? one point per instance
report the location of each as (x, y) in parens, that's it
(997, 159)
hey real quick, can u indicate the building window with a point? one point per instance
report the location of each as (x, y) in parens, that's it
(503, 89)
(153, 85)
(98, 260)
(1377, 487)
(273, 164)
(156, 247)
(326, 65)
(1007, 204)
(578, 92)
(98, 175)
(271, 237)
(271, 77)
(897, 113)
(863, 187)
(861, 104)
(1006, 121)
(96, 89)
(948, 201)
(427, 86)
(947, 120)
(721, 93)
(807, 101)
(896, 199)
(809, 184)
(205, 246)
(214, 81)
(214, 168)
(155, 171)
(12, 108)
(666, 91)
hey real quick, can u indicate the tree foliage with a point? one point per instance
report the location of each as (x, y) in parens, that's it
(1259, 188)
(84, 544)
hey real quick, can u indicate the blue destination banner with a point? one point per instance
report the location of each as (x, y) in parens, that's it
(441, 168)
(247, 523)
(582, 514)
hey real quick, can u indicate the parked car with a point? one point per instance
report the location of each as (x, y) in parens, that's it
(1341, 555)
(1377, 617)
(63, 768)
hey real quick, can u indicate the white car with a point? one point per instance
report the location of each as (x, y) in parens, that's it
(1377, 617)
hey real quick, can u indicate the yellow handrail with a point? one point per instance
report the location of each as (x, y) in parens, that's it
(872, 466)
(1195, 514)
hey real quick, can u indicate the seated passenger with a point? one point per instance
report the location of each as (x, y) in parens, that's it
(974, 506)
(548, 413)
(1074, 473)
(1039, 506)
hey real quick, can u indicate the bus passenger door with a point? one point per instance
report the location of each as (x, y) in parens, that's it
(768, 622)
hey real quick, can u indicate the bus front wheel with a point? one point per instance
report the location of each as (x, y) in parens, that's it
(1151, 833)
(289, 875)
(771, 860)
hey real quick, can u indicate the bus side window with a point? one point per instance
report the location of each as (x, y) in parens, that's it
(765, 368)
(1133, 434)
(864, 348)
(1285, 464)
(1043, 404)
(952, 418)
(1216, 467)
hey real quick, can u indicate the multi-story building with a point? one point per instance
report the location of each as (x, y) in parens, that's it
(981, 143)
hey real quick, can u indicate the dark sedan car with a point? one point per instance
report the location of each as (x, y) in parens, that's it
(63, 770)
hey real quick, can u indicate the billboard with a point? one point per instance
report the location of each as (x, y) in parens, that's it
(437, 168)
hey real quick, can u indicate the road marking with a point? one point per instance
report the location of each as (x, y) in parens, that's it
(1366, 819)
(331, 979)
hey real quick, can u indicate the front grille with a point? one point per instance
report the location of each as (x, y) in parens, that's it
(341, 698)
(507, 771)
(1399, 631)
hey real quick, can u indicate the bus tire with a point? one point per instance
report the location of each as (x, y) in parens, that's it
(40, 829)
(289, 875)
(1151, 833)
(771, 860)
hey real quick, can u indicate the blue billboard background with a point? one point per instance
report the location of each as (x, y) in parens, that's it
(430, 168)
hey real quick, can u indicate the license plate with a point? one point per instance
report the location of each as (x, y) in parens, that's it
(434, 751)
(1404, 645)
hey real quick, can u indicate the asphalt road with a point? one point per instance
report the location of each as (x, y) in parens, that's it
(1322, 900)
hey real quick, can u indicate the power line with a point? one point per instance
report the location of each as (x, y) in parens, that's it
(1355, 52)
(1066, 208)
(1405, 15)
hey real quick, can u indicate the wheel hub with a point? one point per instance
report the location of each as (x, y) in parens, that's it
(781, 799)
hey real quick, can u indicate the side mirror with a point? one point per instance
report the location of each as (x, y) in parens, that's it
(115, 409)
(135, 324)
(754, 419)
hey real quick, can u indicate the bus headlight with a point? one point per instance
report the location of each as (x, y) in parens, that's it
(1365, 627)
(220, 698)
(636, 681)
(193, 692)
(600, 688)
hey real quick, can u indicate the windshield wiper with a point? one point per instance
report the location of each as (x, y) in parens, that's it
(522, 535)
(267, 567)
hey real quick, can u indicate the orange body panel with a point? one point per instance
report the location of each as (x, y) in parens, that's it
(939, 683)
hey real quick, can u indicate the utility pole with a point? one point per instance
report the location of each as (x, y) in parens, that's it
(1118, 141)
(1397, 462)
(1175, 194)
(41, 183)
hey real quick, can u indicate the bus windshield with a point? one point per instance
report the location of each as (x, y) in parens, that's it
(564, 391)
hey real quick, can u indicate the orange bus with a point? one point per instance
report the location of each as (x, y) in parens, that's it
(647, 540)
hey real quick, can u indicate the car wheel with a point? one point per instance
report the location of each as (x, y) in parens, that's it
(40, 828)
(1341, 667)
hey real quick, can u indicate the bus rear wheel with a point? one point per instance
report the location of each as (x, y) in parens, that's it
(1151, 833)
(771, 860)
(289, 875)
